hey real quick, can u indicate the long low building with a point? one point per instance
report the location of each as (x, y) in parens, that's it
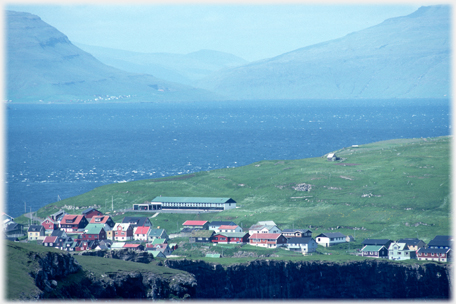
(187, 203)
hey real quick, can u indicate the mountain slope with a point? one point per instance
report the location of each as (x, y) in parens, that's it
(42, 64)
(404, 57)
(182, 68)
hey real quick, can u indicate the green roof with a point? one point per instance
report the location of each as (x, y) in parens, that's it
(372, 248)
(155, 253)
(202, 233)
(155, 232)
(168, 199)
(94, 228)
(233, 234)
(158, 241)
(214, 255)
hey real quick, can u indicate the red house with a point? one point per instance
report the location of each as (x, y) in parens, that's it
(91, 212)
(137, 247)
(94, 232)
(434, 254)
(102, 219)
(50, 224)
(268, 240)
(71, 222)
(50, 241)
(230, 237)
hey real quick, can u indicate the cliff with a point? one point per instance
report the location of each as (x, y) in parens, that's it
(274, 279)
(122, 254)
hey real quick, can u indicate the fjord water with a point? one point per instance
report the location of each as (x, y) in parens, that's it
(57, 151)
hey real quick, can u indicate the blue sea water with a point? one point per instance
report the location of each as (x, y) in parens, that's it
(59, 151)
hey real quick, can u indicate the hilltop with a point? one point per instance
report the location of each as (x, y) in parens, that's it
(44, 66)
(392, 189)
(403, 57)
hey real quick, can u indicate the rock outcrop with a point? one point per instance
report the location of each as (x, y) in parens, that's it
(273, 279)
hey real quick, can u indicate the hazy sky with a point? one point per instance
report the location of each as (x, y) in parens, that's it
(252, 32)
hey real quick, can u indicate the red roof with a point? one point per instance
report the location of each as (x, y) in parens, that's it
(142, 230)
(131, 245)
(74, 219)
(227, 227)
(50, 239)
(194, 223)
(103, 219)
(265, 236)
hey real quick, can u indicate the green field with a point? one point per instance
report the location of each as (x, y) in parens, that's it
(391, 189)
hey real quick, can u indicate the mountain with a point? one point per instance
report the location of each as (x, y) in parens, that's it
(403, 57)
(182, 68)
(43, 65)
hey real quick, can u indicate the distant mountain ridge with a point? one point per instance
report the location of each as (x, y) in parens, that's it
(403, 57)
(182, 68)
(44, 66)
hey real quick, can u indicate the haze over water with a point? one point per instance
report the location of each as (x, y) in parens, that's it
(59, 151)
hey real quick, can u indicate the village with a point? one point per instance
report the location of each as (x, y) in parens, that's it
(92, 230)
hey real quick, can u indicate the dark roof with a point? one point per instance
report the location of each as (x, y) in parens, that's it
(376, 242)
(433, 250)
(299, 240)
(441, 240)
(12, 226)
(35, 228)
(220, 223)
(137, 221)
(58, 233)
(409, 242)
(88, 210)
(202, 233)
(296, 230)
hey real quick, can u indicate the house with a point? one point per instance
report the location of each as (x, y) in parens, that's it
(117, 245)
(91, 212)
(214, 225)
(50, 224)
(36, 232)
(94, 232)
(102, 219)
(202, 225)
(159, 241)
(383, 242)
(123, 232)
(441, 242)
(434, 254)
(157, 254)
(14, 229)
(73, 223)
(137, 221)
(164, 248)
(157, 234)
(59, 233)
(137, 247)
(201, 236)
(294, 233)
(268, 240)
(400, 251)
(213, 255)
(302, 244)
(49, 241)
(264, 227)
(413, 244)
(188, 203)
(229, 228)
(330, 238)
(57, 217)
(104, 245)
(231, 237)
(86, 245)
(375, 251)
(332, 157)
(141, 233)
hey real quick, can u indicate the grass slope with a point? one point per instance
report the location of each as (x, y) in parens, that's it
(391, 189)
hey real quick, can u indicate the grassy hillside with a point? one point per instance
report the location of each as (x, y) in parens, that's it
(391, 189)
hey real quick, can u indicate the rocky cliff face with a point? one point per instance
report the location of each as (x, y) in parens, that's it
(270, 279)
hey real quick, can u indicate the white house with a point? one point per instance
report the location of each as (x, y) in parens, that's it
(302, 244)
(330, 239)
(264, 227)
(229, 228)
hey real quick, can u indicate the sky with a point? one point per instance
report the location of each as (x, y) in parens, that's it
(250, 31)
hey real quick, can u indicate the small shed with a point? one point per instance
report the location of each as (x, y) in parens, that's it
(332, 157)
